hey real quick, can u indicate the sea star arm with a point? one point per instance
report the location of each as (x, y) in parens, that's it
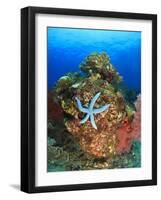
(102, 109)
(81, 108)
(92, 121)
(84, 119)
(93, 101)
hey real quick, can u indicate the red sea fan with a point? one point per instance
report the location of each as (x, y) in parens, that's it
(55, 112)
(124, 137)
(136, 123)
(129, 131)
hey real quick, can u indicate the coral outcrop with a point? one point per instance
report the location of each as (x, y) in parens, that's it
(117, 127)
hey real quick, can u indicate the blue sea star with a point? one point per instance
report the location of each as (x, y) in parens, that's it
(90, 110)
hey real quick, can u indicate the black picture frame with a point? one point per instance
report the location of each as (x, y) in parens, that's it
(28, 98)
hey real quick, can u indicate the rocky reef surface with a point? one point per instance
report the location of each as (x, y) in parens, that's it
(115, 142)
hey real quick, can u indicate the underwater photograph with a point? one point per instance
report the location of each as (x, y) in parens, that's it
(94, 99)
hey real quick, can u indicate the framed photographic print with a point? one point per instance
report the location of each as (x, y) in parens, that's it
(88, 99)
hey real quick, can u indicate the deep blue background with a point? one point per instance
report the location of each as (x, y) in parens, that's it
(67, 48)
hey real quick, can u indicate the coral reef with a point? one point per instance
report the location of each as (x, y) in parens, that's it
(55, 111)
(136, 123)
(62, 160)
(105, 139)
(100, 64)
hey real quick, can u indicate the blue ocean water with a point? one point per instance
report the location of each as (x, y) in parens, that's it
(68, 47)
